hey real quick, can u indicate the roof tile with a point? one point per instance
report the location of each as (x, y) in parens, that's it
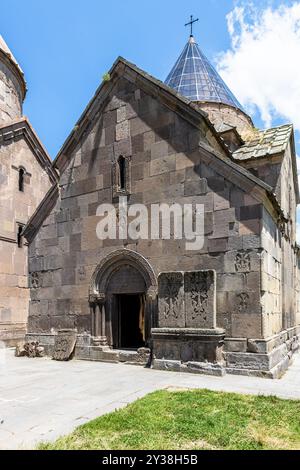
(265, 142)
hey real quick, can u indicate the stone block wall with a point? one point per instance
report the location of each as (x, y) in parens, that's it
(15, 208)
(166, 166)
(220, 114)
(297, 286)
(271, 276)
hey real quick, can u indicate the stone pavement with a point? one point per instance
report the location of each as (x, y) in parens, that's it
(41, 399)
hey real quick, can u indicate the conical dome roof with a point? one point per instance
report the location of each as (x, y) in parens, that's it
(6, 50)
(195, 78)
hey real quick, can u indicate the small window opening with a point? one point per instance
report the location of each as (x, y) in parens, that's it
(20, 236)
(21, 179)
(122, 172)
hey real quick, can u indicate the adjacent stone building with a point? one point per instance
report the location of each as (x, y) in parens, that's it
(232, 305)
(26, 174)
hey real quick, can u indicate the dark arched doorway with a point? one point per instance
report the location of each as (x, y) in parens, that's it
(123, 300)
(126, 291)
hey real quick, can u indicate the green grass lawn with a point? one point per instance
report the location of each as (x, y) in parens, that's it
(192, 420)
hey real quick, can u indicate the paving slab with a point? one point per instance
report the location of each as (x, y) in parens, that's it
(41, 399)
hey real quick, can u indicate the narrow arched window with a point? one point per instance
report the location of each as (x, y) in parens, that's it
(122, 173)
(19, 236)
(21, 179)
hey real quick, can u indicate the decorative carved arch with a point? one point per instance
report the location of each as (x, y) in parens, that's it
(112, 262)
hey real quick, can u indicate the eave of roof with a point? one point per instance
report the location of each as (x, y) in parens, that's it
(265, 143)
(22, 127)
(270, 143)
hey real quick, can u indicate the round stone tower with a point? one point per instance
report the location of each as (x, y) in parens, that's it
(194, 77)
(12, 85)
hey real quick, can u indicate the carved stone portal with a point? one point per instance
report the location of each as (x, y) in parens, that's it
(200, 299)
(171, 300)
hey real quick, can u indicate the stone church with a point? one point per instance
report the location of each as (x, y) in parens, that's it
(26, 174)
(231, 306)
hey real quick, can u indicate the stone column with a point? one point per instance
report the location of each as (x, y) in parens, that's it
(92, 303)
(151, 313)
(97, 303)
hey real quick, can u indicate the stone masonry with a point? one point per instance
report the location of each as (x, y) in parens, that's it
(20, 151)
(245, 317)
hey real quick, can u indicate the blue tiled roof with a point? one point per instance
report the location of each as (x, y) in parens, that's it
(195, 78)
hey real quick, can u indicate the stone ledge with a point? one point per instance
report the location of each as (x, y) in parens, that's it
(255, 361)
(276, 373)
(94, 353)
(46, 340)
(270, 365)
(263, 346)
(187, 332)
(203, 368)
(11, 338)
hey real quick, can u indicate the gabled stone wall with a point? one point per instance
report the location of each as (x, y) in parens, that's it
(172, 160)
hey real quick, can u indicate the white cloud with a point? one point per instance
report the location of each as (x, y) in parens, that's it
(262, 67)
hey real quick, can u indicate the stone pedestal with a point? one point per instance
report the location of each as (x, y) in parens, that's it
(268, 357)
(187, 338)
(100, 342)
(189, 350)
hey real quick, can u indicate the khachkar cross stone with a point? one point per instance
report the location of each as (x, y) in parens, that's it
(81, 273)
(242, 261)
(64, 345)
(170, 300)
(34, 280)
(200, 299)
(243, 300)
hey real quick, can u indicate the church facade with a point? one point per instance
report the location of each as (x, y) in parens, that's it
(26, 173)
(231, 305)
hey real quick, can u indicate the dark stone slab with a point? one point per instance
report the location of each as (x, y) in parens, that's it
(251, 212)
(171, 300)
(195, 188)
(200, 299)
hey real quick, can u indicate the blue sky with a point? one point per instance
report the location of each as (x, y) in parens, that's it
(65, 47)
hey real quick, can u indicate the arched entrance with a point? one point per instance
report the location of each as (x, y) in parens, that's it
(123, 300)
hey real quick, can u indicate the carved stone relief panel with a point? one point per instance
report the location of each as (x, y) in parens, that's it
(243, 299)
(171, 300)
(242, 262)
(34, 280)
(81, 273)
(200, 299)
(64, 345)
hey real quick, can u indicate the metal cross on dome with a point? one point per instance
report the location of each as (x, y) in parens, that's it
(190, 23)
